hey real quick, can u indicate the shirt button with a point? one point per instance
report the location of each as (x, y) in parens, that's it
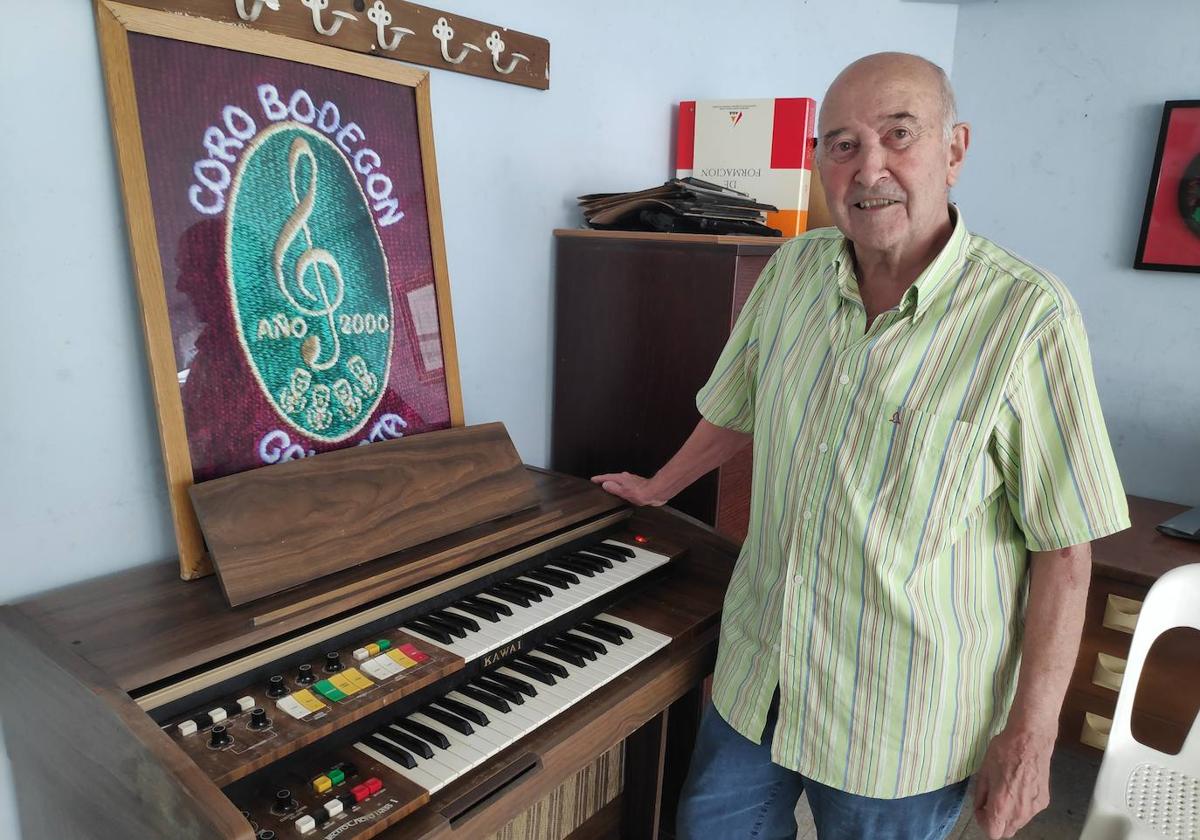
(844, 379)
(798, 580)
(808, 514)
(823, 447)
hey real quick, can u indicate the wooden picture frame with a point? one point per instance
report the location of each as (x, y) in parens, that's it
(340, 331)
(1170, 234)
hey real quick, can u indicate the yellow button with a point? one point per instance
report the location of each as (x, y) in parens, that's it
(357, 679)
(401, 658)
(308, 700)
(342, 683)
(373, 649)
(322, 784)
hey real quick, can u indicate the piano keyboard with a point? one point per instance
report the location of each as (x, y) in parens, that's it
(481, 623)
(457, 732)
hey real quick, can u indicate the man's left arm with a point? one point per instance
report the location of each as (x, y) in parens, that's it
(1013, 784)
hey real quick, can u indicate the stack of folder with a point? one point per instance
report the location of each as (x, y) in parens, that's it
(680, 205)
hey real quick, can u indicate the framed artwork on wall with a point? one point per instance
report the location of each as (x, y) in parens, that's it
(1170, 236)
(283, 214)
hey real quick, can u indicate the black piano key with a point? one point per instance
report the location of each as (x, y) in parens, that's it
(414, 745)
(531, 671)
(568, 576)
(514, 683)
(602, 562)
(601, 632)
(523, 588)
(572, 566)
(492, 604)
(423, 732)
(567, 644)
(620, 549)
(463, 710)
(428, 630)
(544, 591)
(568, 656)
(393, 752)
(578, 639)
(546, 576)
(611, 552)
(515, 598)
(620, 629)
(548, 665)
(486, 613)
(499, 689)
(445, 626)
(449, 719)
(468, 624)
(485, 697)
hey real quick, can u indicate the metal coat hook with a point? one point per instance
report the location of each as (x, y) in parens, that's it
(381, 17)
(319, 6)
(444, 33)
(496, 46)
(256, 9)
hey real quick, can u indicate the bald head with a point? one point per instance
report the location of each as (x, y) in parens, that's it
(872, 69)
(890, 149)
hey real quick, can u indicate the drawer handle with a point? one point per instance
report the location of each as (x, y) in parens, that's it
(1109, 671)
(1121, 614)
(1095, 730)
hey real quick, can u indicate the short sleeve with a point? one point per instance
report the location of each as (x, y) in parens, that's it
(727, 399)
(1052, 446)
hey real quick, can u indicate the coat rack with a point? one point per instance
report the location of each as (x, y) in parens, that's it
(390, 28)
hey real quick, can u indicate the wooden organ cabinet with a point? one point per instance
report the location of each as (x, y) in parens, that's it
(640, 321)
(442, 689)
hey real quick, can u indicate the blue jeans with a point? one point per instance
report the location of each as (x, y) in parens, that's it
(734, 792)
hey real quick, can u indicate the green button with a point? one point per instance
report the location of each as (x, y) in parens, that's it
(335, 695)
(324, 688)
(336, 776)
(384, 644)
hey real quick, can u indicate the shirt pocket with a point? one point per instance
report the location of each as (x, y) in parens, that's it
(930, 477)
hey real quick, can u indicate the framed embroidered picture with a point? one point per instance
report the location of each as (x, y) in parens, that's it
(282, 206)
(1170, 237)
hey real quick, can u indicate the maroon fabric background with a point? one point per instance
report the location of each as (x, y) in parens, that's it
(181, 90)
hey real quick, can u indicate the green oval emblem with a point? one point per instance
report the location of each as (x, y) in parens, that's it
(308, 281)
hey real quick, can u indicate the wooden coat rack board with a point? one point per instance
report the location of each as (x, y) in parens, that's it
(389, 28)
(274, 528)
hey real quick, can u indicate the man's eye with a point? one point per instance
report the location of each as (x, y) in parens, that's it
(902, 134)
(843, 146)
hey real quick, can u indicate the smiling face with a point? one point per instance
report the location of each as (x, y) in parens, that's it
(884, 158)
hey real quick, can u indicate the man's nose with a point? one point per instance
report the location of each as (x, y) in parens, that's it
(873, 165)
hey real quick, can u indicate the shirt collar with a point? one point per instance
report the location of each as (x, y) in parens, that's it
(937, 277)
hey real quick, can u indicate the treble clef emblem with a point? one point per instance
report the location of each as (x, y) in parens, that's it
(324, 268)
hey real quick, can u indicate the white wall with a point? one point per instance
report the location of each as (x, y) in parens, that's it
(83, 491)
(1065, 99)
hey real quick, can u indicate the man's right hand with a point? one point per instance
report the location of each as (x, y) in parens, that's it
(632, 488)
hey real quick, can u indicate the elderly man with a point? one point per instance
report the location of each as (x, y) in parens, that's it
(930, 464)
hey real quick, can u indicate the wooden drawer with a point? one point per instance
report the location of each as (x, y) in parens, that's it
(1170, 683)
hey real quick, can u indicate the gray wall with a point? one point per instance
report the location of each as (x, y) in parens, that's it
(1065, 98)
(82, 490)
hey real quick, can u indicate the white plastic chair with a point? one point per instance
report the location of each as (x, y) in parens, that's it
(1141, 793)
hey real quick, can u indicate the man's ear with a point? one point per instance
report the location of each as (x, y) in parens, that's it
(960, 139)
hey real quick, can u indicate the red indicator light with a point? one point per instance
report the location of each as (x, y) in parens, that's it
(640, 538)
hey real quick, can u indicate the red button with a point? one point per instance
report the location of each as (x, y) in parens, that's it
(413, 653)
(360, 792)
(373, 786)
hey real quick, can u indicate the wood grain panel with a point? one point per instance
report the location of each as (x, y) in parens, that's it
(71, 733)
(285, 524)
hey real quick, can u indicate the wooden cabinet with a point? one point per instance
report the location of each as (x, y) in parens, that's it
(640, 320)
(1124, 567)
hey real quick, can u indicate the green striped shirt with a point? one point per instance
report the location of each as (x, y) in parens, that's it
(900, 475)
